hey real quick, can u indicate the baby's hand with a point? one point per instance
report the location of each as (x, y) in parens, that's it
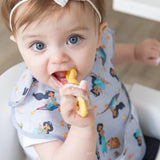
(69, 94)
(148, 52)
(71, 78)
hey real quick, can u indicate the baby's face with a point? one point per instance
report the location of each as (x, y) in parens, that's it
(55, 45)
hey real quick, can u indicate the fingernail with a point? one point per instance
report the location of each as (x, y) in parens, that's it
(82, 82)
(83, 85)
(158, 60)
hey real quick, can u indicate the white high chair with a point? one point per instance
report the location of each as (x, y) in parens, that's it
(146, 101)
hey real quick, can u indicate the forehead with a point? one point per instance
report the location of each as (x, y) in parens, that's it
(61, 21)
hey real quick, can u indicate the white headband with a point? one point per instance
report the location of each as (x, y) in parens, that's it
(60, 2)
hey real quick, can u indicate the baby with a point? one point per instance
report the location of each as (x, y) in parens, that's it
(54, 36)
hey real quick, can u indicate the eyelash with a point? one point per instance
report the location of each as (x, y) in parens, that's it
(75, 35)
(36, 42)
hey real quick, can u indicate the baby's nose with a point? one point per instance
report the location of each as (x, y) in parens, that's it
(59, 56)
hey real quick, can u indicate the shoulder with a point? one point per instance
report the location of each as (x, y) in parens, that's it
(21, 88)
(108, 41)
(109, 31)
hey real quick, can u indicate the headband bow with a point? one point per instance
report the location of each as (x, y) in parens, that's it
(61, 2)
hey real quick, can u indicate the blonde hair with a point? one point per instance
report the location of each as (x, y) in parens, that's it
(34, 9)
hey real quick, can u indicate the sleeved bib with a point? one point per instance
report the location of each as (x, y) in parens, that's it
(36, 109)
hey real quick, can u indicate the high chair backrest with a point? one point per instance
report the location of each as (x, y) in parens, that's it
(10, 148)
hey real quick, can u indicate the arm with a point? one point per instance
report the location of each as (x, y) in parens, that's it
(80, 143)
(123, 53)
(146, 52)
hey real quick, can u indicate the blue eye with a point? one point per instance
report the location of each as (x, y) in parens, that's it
(73, 40)
(38, 46)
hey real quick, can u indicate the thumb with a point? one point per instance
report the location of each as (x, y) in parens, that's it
(83, 84)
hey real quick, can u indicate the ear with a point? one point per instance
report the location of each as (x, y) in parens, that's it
(102, 28)
(12, 38)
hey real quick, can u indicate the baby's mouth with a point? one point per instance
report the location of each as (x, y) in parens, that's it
(59, 77)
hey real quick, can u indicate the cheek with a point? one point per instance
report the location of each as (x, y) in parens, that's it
(36, 65)
(32, 60)
(25, 55)
(35, 70)
(85, 62)
(40, 74)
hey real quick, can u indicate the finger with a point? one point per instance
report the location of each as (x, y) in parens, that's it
(156, 43)
(84, 85)
(73, 90)
(153, 53)
(156, 48)
(65, 89)
(82, 91)
(158, 60)
(68, 105)
(152, 61)
(151, 41)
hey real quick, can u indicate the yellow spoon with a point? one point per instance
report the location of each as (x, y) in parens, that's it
(82, 108)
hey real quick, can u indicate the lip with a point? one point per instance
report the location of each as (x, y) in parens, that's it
(59, 77)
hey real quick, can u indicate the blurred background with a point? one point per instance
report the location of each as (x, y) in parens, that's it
(128, 29)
